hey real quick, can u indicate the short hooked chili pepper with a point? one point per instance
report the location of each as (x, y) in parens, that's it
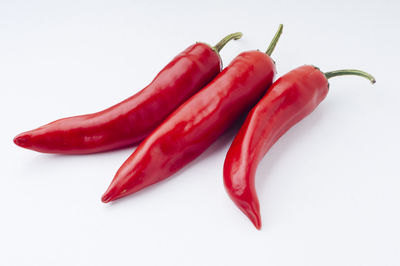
(195, 125)
(130, 121)
(291, 98)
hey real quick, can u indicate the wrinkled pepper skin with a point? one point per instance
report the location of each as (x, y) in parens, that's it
(195, 125)
(291, 98)
(130, 121)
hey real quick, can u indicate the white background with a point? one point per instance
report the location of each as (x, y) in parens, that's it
(329, 188)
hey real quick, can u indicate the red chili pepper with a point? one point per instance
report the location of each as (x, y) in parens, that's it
(195, 125)
(131, 120)
(291, 98)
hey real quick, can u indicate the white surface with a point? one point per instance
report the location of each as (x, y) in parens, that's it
(329, 189)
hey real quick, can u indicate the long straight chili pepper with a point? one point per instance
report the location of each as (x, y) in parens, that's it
(131, 120)
(291, 98)
(195, 125)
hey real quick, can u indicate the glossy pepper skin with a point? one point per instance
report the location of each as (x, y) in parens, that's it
(130, 121)
(194, 126)
(291, 98)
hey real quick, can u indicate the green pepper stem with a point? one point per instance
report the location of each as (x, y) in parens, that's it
(353, 72)
(275, 40)
(221, 43)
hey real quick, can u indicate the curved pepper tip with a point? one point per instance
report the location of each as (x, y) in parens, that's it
(256, 220)
(22, 140)
(105, 198)
(111, 194)
(108, 196)
(250, 208)
(254, 216)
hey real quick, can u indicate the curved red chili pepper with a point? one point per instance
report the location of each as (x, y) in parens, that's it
(291, 98)
(131, 120)
(195, 125)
